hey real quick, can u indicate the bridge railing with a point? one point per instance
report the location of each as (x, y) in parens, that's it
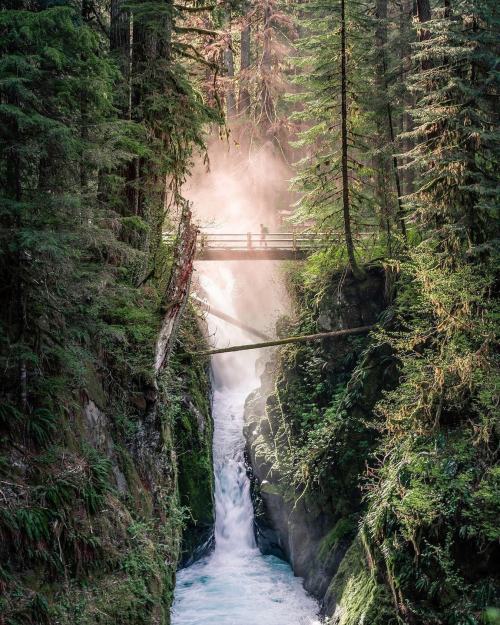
(252, 240)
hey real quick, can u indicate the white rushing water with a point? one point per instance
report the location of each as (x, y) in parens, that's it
(236, 584)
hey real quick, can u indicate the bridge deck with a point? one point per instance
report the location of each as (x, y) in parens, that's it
(252, 254)
(251, 246)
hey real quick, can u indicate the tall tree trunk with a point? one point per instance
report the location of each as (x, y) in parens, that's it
(424, 15)
(423, 11)
(397, 179)
(120, 40)
(407, 10)
(267, 103)
(244, 94)
(229, 68)
(388, 126)
(345, 171)
(152, 36)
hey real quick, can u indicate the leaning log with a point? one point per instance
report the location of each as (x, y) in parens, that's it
(177, 292)
(291, 339)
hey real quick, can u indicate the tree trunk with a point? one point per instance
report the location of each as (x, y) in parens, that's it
(177, 293)
(267, 103)
(244, 95)
(423, 11)
(345, 172)
(229, 67)
(306, 338)
(386, 126)
(424, 15)
(120, 36)
(407, 11)
(401, 221)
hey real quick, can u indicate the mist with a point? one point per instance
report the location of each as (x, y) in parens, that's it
(243, 187)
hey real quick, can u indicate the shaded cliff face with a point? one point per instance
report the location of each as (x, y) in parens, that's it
(98, 512)
(313, 523)
(377, 487)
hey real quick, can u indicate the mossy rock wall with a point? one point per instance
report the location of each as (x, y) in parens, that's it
(98, 515)
(314, 525)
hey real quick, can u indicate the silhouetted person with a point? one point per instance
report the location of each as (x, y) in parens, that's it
(263, 232)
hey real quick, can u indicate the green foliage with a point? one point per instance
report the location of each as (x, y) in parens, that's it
(319, 179)
(436, 493)
(359, 595)
(42, 426)
(83, 201)
(456, 131)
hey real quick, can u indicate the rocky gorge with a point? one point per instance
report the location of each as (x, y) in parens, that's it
(313, 528)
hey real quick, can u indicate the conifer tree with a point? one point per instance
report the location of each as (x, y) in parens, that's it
(335, 171)
(456, 125)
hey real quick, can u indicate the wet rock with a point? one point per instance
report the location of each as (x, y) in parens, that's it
(310, 529)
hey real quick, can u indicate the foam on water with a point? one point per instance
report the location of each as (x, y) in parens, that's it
(236, 584)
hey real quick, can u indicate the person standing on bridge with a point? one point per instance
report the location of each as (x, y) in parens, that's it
(264, 231)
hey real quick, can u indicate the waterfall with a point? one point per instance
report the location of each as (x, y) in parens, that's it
(236, 584)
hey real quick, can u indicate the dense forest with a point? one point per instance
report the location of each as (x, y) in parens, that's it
(386, 115)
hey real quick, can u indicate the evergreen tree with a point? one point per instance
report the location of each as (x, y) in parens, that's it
(443, 410)
(456, 126)
(335, 177)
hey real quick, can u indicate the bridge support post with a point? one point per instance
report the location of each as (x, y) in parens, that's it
(249, 240)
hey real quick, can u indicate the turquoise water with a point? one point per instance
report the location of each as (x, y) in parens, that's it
(236, 584)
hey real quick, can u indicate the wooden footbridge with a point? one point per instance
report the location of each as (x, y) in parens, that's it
(255, 246)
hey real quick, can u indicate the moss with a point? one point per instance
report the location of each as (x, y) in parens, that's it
(268, 488)
(193, 431)
(358, 596)
(342, 529)
(141, 498)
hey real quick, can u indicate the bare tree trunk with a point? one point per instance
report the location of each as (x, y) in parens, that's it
(345, 172)
(244, 95)
(306, 338)
(397, 179)
(424, 15)
(229, 67)
(266, 98)
(381, 40)
(405, 18)
(423, 11)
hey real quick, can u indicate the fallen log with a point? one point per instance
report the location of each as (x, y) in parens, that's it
(291, 339)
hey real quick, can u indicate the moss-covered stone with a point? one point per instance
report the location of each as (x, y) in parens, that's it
(355, 596)
(92, 529)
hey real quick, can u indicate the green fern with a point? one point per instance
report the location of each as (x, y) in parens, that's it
(41, 426)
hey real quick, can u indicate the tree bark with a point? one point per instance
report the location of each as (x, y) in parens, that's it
(177, 292)
(423, 11)
(401, 221)
(229, 67)
(267, 103)
(424, 15)
(405, 18)
(244, 94)
(386, 111)
(291, 339)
